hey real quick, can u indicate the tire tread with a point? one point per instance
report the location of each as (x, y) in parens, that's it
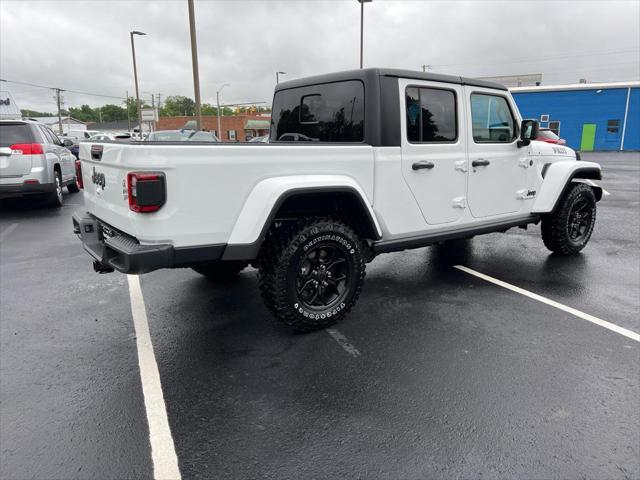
(277, 251)
(554, 226)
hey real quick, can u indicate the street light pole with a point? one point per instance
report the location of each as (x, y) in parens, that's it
(128, 115)
(135, 76)
(362, 2)
(194, 62)
(278, 76)
(218, 102)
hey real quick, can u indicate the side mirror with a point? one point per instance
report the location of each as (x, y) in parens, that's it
(528, 131)
(67, 142)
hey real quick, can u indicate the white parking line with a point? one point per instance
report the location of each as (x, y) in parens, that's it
(593, 184)
(5, 233)
(163, 453)
(585, 316)
(343, 342)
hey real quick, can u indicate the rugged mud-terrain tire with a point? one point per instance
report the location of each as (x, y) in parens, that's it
(569, 228)
(220, 271)
(311, 273)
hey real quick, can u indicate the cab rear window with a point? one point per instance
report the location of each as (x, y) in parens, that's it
(330, 112)
(13, 133)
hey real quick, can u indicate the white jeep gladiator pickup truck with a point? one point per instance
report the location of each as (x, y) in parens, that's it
(359, 163)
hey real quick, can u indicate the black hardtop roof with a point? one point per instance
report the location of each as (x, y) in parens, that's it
(367, 73)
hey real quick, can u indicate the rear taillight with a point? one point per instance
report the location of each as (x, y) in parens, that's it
(27, 149)
(79, 174)
(147, 191)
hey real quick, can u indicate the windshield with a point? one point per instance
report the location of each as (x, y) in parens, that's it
(201, 137)
(181, 136)
(165, 136)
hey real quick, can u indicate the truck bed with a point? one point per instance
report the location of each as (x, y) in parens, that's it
(207, 184)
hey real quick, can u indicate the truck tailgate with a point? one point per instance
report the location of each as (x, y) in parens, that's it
(104, 174)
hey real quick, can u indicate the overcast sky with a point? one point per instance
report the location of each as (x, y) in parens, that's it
(85, 46)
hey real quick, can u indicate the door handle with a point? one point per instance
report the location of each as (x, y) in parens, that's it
(421, 165)
(481, 162)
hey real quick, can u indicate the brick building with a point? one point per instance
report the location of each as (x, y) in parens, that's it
(235, 128)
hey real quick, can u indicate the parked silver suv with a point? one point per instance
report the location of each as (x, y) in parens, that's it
(33, 161)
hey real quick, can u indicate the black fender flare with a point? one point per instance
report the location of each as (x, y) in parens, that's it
(250, 251)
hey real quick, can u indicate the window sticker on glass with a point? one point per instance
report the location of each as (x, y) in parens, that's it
(310, 106)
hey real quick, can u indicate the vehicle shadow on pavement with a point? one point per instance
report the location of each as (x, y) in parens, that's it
(21, 204)
(33, 207)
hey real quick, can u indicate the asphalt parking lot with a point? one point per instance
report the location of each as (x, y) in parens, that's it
(437, 373)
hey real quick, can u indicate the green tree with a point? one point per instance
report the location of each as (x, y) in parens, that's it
(85, 113)
(34, 113)
(113, 113)
(208, 109)
(178, 105)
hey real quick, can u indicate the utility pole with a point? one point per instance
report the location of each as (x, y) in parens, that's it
(135, 76)
(194, 62)
(362, 2)
(218, 102)
(58, 90)
(153, 106)
(426, 67)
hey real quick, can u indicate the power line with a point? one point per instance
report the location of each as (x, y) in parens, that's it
(62, 89)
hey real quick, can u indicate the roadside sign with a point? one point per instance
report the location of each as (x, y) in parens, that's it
(8, 108)
(149, 115)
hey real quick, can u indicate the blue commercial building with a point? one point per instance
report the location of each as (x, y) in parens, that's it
(589, 116)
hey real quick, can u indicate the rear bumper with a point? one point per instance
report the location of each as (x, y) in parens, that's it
(115, 250)
(12, 190)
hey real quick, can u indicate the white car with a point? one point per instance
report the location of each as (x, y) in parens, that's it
(399, 160)
(78, 135)
(110, 137)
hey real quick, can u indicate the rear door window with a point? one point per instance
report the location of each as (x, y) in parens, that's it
(330, 112)
(48, 135)
(14, 133)
(431, 115)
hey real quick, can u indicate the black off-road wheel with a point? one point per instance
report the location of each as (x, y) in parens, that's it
(311, 274)
(220, 271)
(569, 228)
